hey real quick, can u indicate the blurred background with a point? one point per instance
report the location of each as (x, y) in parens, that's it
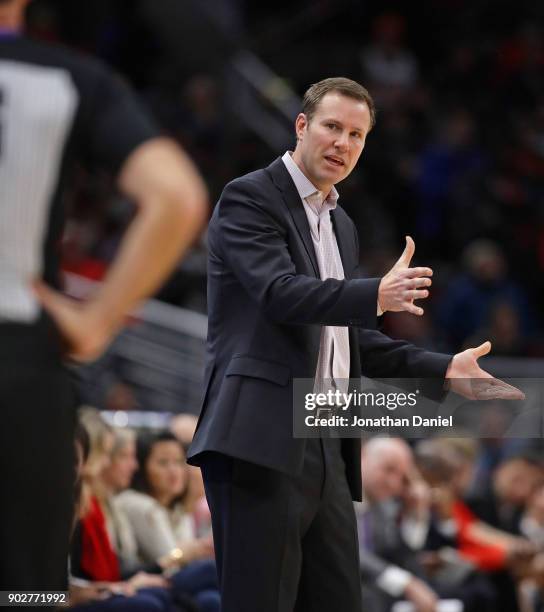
(456, 159)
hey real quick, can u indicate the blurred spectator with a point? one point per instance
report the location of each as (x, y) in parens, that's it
(162, 523)
(389, 67)
(447, 465)
(532, 521)
(495, 445)
(116, 477)
(183, 427)
(389, 568)
(417, 330)
(519, 64)
(449, 170)
(484, 288)
(95, 569)
(504, 330)
(513, 483)
(393, 523)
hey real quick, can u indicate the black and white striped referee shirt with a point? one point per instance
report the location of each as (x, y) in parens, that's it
(56, 108)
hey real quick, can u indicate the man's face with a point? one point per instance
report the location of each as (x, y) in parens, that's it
(330, 144)
(385, 475)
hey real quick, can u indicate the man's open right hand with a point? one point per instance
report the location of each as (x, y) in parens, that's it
(402, 285)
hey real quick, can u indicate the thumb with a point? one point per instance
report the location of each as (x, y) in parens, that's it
(482, 350)
(50, 299)
(408, 252)
(44, 293)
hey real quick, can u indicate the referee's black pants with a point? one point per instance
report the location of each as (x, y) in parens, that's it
(284, 543)
(37, 418)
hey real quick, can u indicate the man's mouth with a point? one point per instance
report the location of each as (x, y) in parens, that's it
(335, 161)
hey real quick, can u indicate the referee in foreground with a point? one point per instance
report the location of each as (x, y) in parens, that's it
(57, 108)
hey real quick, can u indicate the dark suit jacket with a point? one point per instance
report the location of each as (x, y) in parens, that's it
(266, 306)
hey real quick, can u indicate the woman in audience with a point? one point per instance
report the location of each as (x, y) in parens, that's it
(183, 427)
(159, 509)
(95, 584)
(116, 477)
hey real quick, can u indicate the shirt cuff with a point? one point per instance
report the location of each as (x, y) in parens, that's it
(394, 580)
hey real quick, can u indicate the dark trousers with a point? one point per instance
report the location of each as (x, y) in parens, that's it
(198, 580)
(284, 543)
(37, 412)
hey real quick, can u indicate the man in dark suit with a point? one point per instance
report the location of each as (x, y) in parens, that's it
(286, 301)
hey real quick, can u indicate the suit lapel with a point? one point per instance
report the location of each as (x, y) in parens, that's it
(342, 229)
(283, 181)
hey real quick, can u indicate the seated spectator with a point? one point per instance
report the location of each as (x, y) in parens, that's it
(183, 427)
(388, 65)
(388, 566)
(532, 521)
(392, 526)
(504, 330)
(512, 485)
(162, 524)
(532, 527)
(472, 297)
(494, 445)
(95, 582)
(116, 477)
(449, 167)
(187, 583)
(447, 466)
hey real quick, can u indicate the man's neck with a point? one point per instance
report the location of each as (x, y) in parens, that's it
(296, 157)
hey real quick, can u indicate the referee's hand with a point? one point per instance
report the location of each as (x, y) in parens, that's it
(84, 329)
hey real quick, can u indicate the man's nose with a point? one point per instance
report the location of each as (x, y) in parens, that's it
(342, 141)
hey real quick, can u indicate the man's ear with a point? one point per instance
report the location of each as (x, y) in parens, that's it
(301, 123)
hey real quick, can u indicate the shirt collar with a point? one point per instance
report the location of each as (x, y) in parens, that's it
(304, 186)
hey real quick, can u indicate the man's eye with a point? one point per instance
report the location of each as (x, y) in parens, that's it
(331, 126)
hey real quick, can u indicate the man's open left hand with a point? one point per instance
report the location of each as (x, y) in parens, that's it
(470, 381)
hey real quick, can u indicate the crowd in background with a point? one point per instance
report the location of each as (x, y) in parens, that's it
(142, 529)
(453, 518)
(456, 158)
(443, 518)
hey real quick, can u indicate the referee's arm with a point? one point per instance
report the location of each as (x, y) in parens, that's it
(172, 207)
